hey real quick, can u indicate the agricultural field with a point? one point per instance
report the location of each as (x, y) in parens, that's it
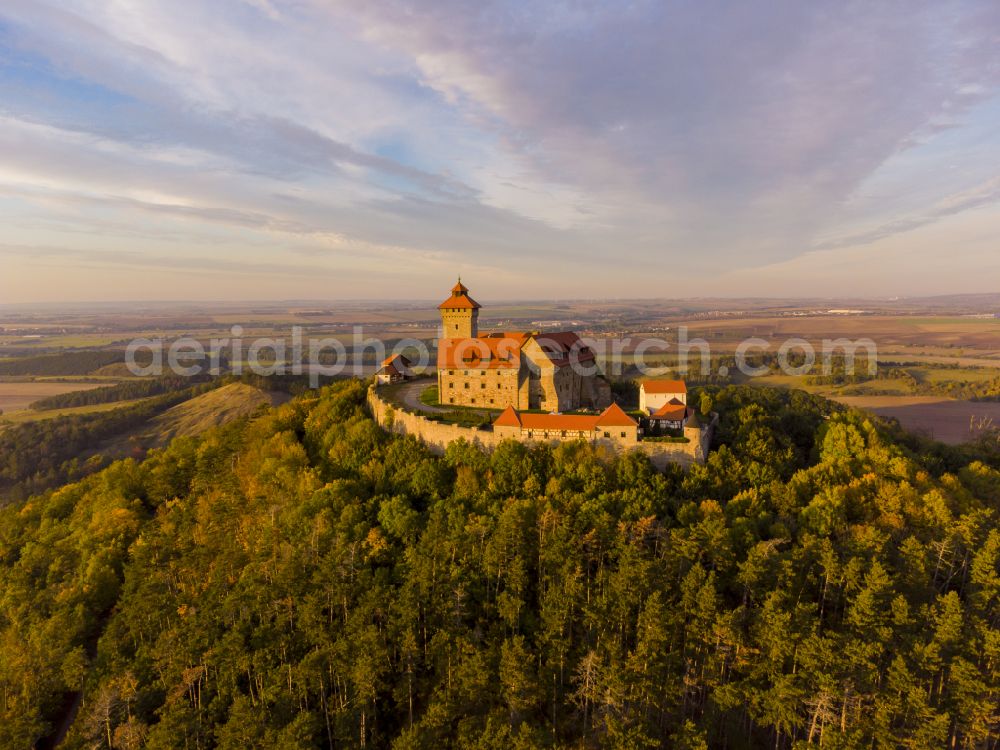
(946, 420)
(961, 374)
(18, 396)
(32, 415)
(932, 349)
(929, 336)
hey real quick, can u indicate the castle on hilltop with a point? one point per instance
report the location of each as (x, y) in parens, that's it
(547, 388)
(554, 372)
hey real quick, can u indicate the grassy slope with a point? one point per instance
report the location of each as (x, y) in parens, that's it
(194, 416)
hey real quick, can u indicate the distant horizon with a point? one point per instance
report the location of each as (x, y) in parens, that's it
(432, 303)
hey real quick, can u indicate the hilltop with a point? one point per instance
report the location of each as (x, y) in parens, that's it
(301, 579)
(40, 449)
(194, 416)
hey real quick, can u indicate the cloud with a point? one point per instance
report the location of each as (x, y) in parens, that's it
(583, 141)
(143, 260)
(981, 195)
(759, 117)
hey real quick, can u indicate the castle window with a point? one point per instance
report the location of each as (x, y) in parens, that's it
(474, 401)
(482, 372)
(451, 385)
(624, 434)
(451, 400)
(564, 433)
(492, 401)
(465, 372)
(607, 434)
(482, 386)
(466, 386)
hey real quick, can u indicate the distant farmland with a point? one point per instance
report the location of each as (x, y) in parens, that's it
(942, 419)
(17, 396)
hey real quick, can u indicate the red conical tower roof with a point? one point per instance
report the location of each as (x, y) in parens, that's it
(460, 298)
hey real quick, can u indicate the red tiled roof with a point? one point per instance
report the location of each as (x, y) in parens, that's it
(664, 386)
(518, 336)
(561, 347)
(392, 357)
(459, 302)
(613, 416)
(508, 418)
(390, 367)
(487, 352)
(489, 349)
(459, 299)
(671, 412)
(574, 422)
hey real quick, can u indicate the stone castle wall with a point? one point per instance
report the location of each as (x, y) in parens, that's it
(437, 435)
(693, 452)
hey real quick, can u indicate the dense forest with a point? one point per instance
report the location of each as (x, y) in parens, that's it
(127, 390)
(37, 456)
(304, 580)
(63, 363)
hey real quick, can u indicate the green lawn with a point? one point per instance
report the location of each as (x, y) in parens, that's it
(430, 395)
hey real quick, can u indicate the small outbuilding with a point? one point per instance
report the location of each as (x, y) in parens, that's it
(673, 415)
(653, 394)
(395, 369)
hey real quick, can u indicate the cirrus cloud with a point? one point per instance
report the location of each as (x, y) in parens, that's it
(592, 144)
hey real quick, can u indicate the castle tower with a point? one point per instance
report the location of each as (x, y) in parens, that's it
(459, 314)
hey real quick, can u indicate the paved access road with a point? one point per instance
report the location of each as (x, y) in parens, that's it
(409, 396)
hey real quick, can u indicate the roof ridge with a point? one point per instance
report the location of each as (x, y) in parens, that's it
(616, 416)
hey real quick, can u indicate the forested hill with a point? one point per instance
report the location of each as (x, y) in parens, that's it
(303, 580)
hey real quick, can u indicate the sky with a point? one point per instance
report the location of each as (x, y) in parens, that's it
(319, 149)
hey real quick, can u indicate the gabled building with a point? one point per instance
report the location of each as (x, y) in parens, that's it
(665, 401)
(673, 415)
(394, 369)
(655, 393)
(552, 371)
(612, 425)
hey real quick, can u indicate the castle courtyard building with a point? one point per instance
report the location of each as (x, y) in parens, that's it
(612, 426)
(654, 394)
(665, 401)
(554, 372)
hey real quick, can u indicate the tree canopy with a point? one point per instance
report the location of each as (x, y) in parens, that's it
(304, 580)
